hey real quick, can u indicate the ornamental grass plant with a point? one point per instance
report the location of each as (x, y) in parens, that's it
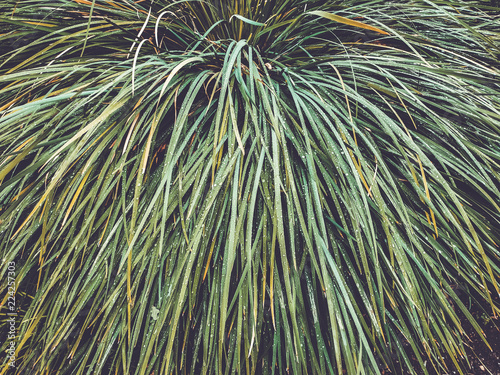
(249, 187)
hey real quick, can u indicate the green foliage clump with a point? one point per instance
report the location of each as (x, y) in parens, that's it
(256, 186)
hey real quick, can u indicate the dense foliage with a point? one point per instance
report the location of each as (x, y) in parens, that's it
(256, 186)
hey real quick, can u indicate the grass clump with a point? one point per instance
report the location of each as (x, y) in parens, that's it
(250, 186)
